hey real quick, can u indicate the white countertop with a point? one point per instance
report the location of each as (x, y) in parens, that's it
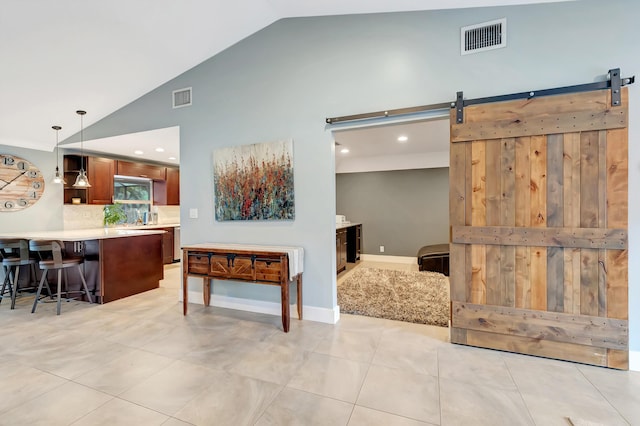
(81, 234)
(346, 224)
(157, 226)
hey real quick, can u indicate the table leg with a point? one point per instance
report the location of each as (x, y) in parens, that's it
(284, 285)
(185, 292)
(206, 290)
(299, 282)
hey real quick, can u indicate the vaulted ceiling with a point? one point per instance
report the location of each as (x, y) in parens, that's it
(60, 56)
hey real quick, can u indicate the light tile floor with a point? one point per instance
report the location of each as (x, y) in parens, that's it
(139, 361)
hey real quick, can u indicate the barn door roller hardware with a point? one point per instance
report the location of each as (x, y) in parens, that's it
(615, 82)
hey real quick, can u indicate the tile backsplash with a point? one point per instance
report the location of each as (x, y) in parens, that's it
(88, 216)
(85, 216)
(168, 214)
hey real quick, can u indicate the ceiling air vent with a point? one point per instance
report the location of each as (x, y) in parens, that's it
(182, 97)
(486, 36)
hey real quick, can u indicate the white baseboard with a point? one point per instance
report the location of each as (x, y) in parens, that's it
(634, 360)
(389, 259)
(311, 313)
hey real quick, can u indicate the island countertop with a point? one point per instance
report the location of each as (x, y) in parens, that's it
(81, 234)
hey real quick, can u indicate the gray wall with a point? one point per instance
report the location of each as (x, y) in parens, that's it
(283, 81)
(402, 210)
(45, 214)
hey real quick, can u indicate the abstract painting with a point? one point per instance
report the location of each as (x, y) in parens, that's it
(254, 182)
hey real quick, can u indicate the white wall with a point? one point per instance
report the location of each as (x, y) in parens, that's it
(47, 212)
(283, 81)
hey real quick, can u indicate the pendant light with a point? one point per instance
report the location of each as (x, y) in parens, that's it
(57, 177)
(81, 180)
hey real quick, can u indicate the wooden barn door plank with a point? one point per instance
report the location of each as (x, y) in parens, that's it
(457, 196)
(617, 189)
(523, 219)
(555, 218)
(508, 218)
(617, 260)
(478, 218)
(493, 201)
(589, 219)
(571, 215)
(538, 213)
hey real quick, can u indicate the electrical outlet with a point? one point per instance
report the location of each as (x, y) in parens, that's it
(193, 213)
(381, 249)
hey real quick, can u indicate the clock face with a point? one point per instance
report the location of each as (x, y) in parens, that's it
(21, 183)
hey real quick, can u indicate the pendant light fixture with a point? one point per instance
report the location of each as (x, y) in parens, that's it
(57, 177)
(81, 180)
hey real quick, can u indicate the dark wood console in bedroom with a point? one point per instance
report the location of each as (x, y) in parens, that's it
(270, 265)
(348, 244)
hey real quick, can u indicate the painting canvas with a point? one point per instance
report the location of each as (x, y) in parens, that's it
(254, 182)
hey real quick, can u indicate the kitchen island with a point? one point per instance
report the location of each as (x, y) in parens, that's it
(118, 262)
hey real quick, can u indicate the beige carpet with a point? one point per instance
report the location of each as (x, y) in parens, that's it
(420, 297)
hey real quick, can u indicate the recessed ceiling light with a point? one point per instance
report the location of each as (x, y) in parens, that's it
(344, 150)
(402, 139)
(159, 149)
(172, 158)
(138, 152)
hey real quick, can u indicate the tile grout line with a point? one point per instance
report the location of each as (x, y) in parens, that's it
(533, 421)
(603, 395)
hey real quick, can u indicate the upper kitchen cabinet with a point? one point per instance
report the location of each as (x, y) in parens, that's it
(173, 186)
(167, 192)
(149, 171)
(100, 173)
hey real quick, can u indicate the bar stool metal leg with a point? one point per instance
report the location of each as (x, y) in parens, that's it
(6, 282)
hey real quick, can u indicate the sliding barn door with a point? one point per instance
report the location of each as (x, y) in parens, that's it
(538, 213)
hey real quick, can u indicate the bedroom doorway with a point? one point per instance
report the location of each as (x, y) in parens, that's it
(394, 182)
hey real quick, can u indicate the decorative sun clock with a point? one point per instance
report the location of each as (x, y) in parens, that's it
(21, 183)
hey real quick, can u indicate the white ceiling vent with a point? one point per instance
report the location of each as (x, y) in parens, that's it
(182, 97)
(485, 36)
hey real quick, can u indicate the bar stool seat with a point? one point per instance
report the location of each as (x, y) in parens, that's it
(11, 263)
(53, 258)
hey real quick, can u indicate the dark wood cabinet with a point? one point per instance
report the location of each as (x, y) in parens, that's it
(167, 245)
(341, 249)
(354, 237)
(150, 171)
(167, 192)
(173, 186)
(100, 172)
(348, 246)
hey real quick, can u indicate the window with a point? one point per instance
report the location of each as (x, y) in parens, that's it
(135, 194)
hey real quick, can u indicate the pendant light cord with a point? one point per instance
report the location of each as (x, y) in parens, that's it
(81, 114)
(57, 129)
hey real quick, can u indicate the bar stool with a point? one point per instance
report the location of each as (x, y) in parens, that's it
(11, 263)
(52, 258)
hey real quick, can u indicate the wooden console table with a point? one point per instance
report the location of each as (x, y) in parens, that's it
(271, 265)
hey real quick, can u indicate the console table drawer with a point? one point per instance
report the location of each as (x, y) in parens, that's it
(198, 263)
(231, 267)
(268, 270)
